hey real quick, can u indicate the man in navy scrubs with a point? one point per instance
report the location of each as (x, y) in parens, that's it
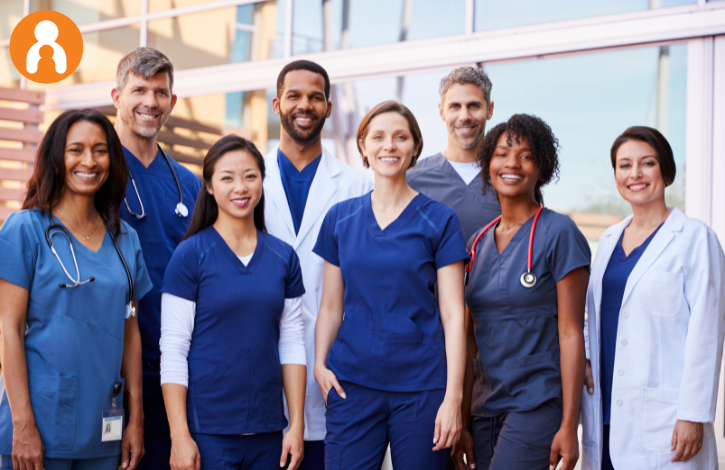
(453, 177)
(159, 198)
(303, 181)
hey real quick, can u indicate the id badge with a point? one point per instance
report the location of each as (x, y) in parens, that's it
(112, 426)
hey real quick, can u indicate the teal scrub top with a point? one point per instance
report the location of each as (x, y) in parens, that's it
(74, 336)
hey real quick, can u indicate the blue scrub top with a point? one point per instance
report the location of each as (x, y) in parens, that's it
(517, 331)
(391, 337)
(235, 376)
(614, 282)
(74, 340)
(160, 232)
(296, 185)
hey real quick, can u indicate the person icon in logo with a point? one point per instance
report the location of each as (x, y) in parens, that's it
(46, 32)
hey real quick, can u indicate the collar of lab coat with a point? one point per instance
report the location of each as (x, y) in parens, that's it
(608, 242)
(323, 188)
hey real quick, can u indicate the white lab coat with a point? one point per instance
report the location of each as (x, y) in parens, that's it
(334, 181)
(669, 347)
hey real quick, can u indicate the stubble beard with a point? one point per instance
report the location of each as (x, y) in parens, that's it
(471, 141)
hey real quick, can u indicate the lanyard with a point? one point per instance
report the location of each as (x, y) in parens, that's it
(528, 279)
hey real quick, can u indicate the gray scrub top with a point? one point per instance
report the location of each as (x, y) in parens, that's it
(437, 179)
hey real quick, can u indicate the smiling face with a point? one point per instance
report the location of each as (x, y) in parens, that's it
(236, 184)
(86, 159)
(144, 104)
(465, 112)
(514, 172)
(637, 173)
(388, 145)
(302, 106)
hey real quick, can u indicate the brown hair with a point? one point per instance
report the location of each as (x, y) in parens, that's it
(665, 157)
(46, 186)
(391, 107)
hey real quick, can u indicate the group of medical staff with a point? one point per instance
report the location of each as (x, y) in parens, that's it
(285, 311)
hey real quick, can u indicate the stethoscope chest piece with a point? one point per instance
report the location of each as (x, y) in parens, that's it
(528, 280)
(181, 210)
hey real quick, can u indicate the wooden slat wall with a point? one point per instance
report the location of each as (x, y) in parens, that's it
(19, 136)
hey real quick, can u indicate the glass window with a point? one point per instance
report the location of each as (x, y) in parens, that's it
(161, 5)
(374, 22)
(11, 12)
(495, 14)
(223, 36)
(89, 11)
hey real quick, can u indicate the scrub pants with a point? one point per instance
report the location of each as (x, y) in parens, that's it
(235, 452)
(104, 463)
(360, 427)
(157, 435)
(516, 440)
(314, 456)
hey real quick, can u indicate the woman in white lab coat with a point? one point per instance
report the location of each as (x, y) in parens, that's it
(656, 305)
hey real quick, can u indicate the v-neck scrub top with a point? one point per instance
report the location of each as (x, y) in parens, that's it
(296, 185)
(159, 232)
(235, 374)
(436, 177)
(391, 337)
(614, 282)
(517, 329)
(75, 336)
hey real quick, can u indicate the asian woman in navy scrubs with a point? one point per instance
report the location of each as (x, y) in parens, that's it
(390, 368)
(232, 336)
(68, 343)
(526, 339)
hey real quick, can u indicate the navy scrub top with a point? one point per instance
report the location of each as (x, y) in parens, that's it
(160, 232)
(437, 179)
(614, 282)
(517, 367)
(391, 337)
(296, 185)
(235, 374)
(74, 339)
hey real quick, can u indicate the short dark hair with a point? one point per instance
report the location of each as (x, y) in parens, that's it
(544, 147)
(46, 186)
(391, 107)
(303, 65)
(665, 157)
(206, 209)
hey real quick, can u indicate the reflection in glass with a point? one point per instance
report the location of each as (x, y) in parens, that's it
(495, 14)
(361, 23)
(86, 12)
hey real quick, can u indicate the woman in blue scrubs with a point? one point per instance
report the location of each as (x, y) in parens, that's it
(525, 298)
(391, 371)
(232, 336)
(69, 336)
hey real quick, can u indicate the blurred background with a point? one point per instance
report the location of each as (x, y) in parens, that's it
(590, 68)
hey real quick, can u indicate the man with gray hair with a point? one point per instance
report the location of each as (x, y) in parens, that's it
(159, 197)
(453, 177)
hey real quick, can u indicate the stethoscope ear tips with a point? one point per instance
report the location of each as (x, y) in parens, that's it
(91, 279)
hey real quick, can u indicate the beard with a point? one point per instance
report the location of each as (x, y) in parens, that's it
(147, 131)
(298, 135)
(472, 141)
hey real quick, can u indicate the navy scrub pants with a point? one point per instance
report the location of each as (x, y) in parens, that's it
(236, 452)
(103, 463)
(516, 440)
(360, 427)
(156, 433)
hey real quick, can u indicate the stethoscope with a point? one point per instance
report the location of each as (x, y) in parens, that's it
(528, 279)
(55, 229)
(181, 209)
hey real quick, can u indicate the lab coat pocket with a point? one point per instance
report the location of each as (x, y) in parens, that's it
(405, 357)
(53, 401)
(662, 293)
(659, 415)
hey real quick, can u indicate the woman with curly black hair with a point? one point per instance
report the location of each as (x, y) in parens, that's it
(528, 282)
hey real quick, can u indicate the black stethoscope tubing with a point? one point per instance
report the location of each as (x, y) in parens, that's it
(49, 239)
(528, 279)
(181, 209)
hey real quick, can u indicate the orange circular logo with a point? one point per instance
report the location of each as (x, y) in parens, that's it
(46, 46)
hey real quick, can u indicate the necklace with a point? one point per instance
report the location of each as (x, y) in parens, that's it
(88, 237)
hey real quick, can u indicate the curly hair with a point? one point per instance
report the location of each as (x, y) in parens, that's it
(544, 147)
